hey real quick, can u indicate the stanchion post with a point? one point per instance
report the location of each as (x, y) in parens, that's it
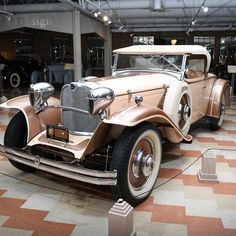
(208, 168)
(120, 219)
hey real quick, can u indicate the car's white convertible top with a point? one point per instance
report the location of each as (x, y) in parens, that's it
(166, 49)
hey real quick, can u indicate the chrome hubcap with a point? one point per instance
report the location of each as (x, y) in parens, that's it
(143, 164)
(184, 111)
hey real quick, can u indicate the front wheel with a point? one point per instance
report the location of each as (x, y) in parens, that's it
(137, 159)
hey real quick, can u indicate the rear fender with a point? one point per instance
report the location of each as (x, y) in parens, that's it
(36, 123)
(221, 87)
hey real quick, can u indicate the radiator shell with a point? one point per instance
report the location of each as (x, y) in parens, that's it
(75, 95)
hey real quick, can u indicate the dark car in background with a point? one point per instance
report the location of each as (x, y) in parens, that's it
(18, 70)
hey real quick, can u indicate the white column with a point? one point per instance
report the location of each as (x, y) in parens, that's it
(77, 46)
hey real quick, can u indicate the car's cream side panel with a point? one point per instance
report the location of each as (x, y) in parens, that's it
(201, 91)
(36, 123)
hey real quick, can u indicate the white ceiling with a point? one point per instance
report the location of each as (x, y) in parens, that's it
(141, 15)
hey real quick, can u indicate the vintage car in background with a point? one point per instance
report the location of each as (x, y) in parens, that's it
(110, 130)
(18, 70)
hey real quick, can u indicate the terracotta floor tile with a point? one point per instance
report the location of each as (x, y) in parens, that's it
(2, 191)
(168, 214)
(204, 226)
(205, 140)
(28, 219)
(225, 188)
(226, 143)
(231, 163)
(187, 153)
(170, 173)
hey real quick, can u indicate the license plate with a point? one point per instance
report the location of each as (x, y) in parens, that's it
(58, 132)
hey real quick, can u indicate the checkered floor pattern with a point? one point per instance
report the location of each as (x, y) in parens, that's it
(43, 204)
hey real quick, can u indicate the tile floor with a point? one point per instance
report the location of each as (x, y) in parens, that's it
(43, 204)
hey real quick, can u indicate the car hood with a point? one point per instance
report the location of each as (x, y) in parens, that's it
(134, 83)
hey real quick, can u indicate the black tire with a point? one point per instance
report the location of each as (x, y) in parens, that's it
(137, 159)
(216, 123)
(16, 137)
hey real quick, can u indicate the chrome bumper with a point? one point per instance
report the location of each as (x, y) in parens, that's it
(61, 169)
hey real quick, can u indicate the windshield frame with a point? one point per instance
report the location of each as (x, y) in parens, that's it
(180, 70)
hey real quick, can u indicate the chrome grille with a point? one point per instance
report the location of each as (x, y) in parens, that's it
(75, 95)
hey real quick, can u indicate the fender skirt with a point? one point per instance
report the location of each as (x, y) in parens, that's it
(36, 123)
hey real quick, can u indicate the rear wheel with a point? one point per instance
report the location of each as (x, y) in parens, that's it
(16, 137)
(216, 123)
(137, 159)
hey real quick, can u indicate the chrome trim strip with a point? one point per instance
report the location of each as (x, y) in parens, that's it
(81, 133)
(70, 109)
(65, 170)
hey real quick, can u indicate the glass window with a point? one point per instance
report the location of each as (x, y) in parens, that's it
(209, 43)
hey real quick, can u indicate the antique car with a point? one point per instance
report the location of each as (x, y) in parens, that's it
(18, 70)
(110, 130)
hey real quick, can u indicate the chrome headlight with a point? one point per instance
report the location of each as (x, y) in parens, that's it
(39, 94)
(100, 99)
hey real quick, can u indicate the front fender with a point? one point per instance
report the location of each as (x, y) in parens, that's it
(137, 114)
(221, 87)
(36, 123)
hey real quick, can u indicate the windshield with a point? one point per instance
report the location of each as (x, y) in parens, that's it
(172, 63)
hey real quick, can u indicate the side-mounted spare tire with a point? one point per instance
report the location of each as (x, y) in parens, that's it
(178, 106)
(16, 137)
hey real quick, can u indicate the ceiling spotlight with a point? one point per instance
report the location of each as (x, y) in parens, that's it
(194, 22)
(189, 31)
(105, 18)
(109, 22)
(121, 27)
(95, 14)
(205, 9)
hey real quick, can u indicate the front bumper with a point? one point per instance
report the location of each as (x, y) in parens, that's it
(66, 170)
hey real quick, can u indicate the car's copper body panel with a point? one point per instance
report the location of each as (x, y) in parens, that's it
(36, 122)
